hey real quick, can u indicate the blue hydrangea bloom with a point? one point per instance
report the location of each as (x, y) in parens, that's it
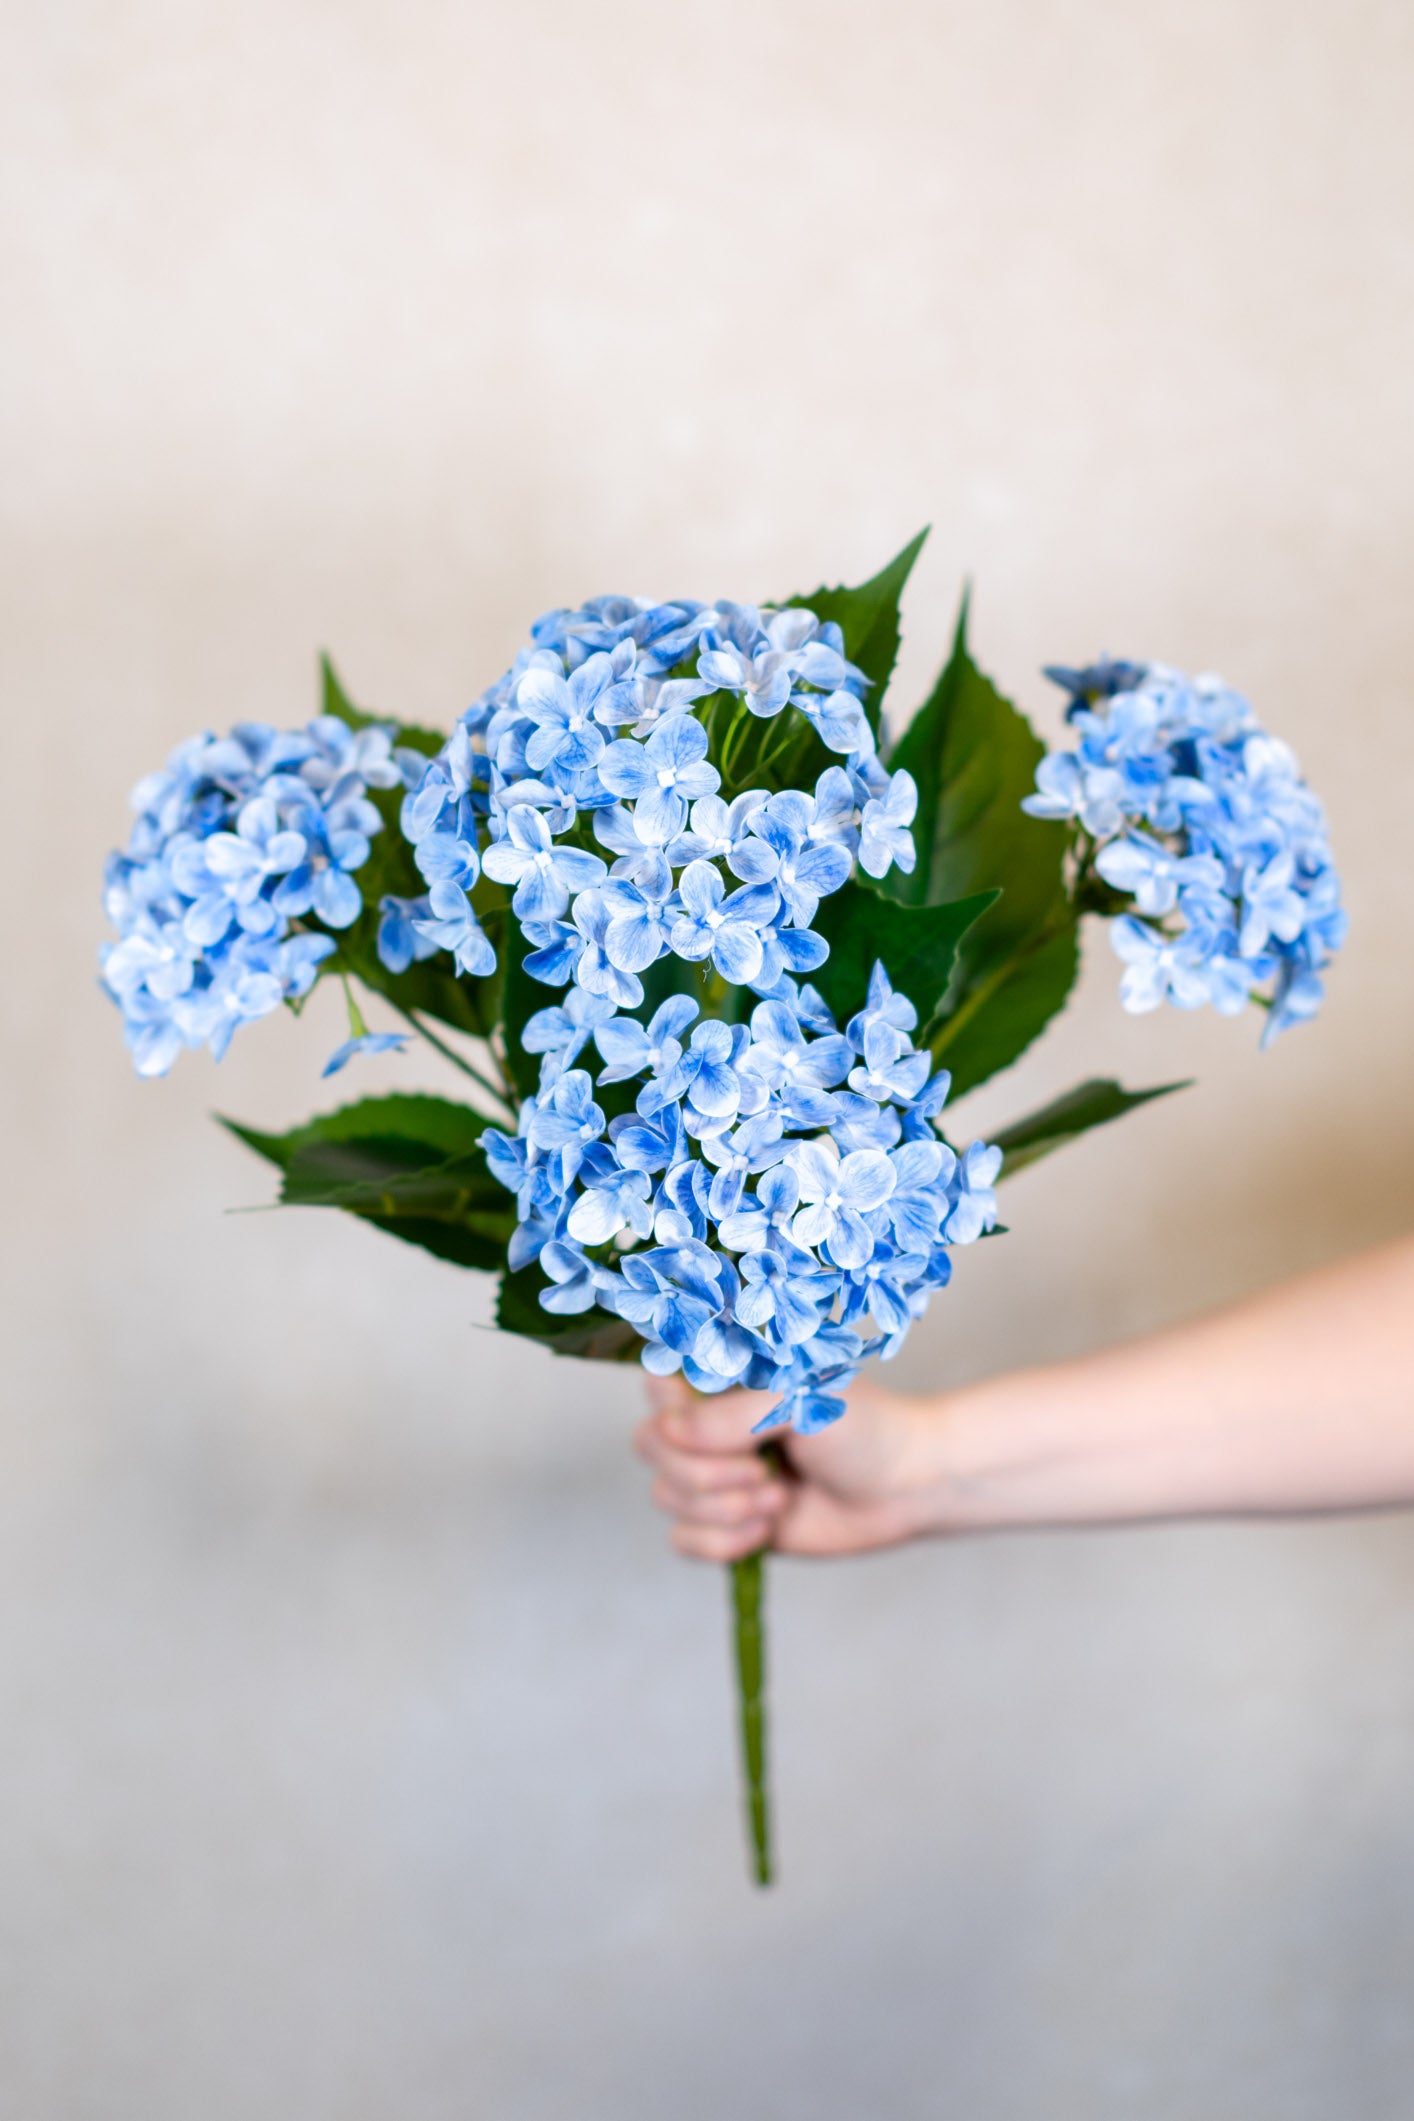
(597, 731)
(1185, 804)
(364, 1042)
(733, 1217)
(400, 940)
(544, 875)
(450, 924)
(562, 1033)
(237, 844)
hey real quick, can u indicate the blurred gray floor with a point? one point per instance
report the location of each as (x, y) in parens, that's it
(397, 1782)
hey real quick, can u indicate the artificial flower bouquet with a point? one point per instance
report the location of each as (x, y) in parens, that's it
(715, 960)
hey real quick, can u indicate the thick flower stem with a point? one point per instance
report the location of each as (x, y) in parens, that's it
(747, 1581)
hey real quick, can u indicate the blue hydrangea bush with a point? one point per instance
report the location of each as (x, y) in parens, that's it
(716, 960)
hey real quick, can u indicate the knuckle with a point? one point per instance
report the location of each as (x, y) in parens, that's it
(735, 1472)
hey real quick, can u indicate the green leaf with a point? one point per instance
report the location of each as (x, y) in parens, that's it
(595, 1334)
(276, 1148)
(337, 701)
(868, 618)
(974, 757)
(458, 1244)
(438, 1126)
(917, 945)
(454, 1208)
(391, 1178)
(1090, 1104)
(327, 1165)
(411, 1166)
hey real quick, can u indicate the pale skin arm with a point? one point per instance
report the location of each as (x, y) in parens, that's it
(1297, 1400)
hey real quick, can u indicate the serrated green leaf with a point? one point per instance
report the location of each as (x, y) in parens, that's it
(596, 1335)
(868, 618)
(973, 757)
(1093, 1103)
(918, 946)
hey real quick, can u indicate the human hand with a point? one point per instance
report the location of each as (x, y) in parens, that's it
(858, 1484)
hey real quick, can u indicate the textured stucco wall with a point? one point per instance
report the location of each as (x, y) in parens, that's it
(364, 1753)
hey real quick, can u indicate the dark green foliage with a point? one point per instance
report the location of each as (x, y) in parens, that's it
(1090, 1104)
(917, 945)
(974, 757)
(409, 1165)
(676, 975)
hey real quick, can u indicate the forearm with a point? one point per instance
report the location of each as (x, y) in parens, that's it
(1299, 1399)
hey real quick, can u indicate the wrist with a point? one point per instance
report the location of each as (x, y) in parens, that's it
(977, 1458)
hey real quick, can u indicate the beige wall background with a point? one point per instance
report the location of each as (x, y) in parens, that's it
(364, 1753)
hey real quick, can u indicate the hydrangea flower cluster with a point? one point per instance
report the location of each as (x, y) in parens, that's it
(594, 740)
(1200, 815)
(777, 1206)
(235, 842)
(539, 775)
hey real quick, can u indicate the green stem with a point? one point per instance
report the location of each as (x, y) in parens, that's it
(774, 750)
(733, 740)
(495, 1046)
(748, 1583)
(448, 1053)
(357, 1027)
(746, 1587)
